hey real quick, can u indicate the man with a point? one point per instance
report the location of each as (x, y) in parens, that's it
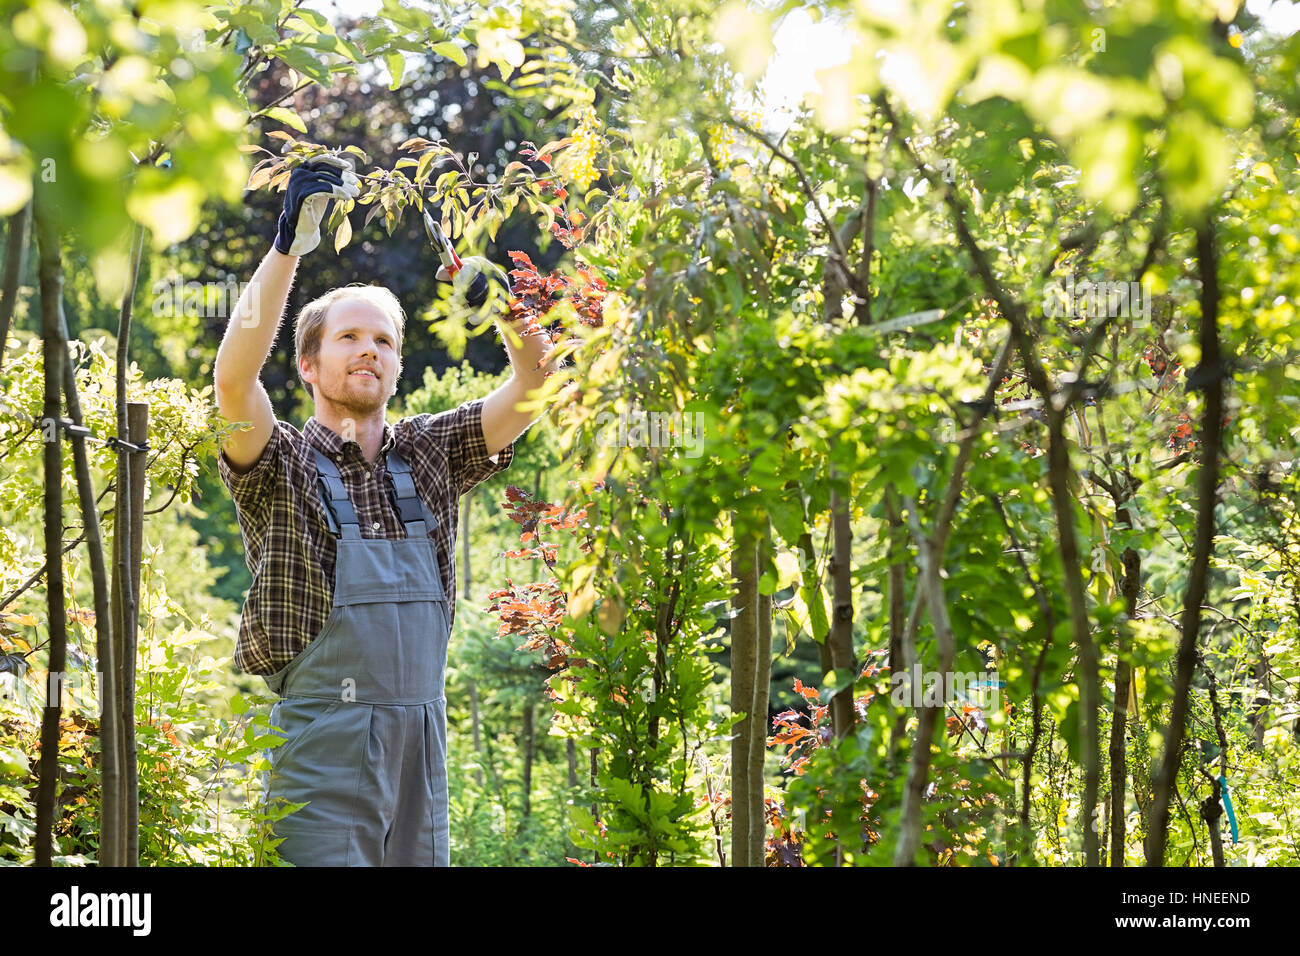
(349, 528)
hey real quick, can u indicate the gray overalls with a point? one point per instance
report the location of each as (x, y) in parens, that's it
(362, 705)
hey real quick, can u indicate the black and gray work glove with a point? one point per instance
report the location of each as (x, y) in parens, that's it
(311, 187)
(470, 284)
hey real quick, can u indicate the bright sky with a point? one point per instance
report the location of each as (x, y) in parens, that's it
(801, 46)
(1281, 17)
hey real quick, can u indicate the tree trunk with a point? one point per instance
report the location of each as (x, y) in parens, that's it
(114, 853)
(810, 562)
(123, 595)
(595, 780)
(744, 638)
(1211, 810)
(930, 551)
(759, 725)
(897, 613)
(1209, 376)
(110, 737)
(55, 355)
(15, 261)
(1058, 474)
(1129, 587)
(665, 609)
(138, 421)
(1258, 720)
(909, 826)
(1026, 847)
(862, 309)
(840, 639)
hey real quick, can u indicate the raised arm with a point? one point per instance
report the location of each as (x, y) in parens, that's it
(256, 319)
(244, 350)
(502, 421)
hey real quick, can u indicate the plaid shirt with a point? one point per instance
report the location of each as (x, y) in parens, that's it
(289, 547)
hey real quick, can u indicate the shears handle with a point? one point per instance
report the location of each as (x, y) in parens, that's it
(450, 261)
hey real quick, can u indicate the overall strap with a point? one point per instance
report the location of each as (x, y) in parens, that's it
(338, 506)
(411, 508)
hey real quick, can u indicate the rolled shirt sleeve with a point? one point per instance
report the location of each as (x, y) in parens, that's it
(252, 490)
(459, 431)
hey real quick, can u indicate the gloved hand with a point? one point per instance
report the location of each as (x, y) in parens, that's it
(311, 187)
(470, 284)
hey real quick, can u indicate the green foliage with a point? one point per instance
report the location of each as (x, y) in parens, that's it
(1048, 130)
(990, 157)
(200, 797)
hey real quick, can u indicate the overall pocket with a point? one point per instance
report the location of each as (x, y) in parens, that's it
(295, 717)
(278, 683)
(320, 764)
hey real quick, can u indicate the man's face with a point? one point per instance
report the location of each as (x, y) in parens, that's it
(358, 364)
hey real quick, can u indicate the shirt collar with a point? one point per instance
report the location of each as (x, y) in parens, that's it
(333, 444)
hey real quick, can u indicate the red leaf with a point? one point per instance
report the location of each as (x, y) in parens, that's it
(808, 693)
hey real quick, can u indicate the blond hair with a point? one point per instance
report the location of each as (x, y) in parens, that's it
(311, 321)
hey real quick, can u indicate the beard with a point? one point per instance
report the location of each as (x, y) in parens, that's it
(360, 396)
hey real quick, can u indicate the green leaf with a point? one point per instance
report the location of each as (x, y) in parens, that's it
(452, 52)
(335, 217)
(396, 64)
(333, 44)
(169, 208)
(422, 168)
(306, 63)
(351, 50)
(344, 234)
(15, 187)
(13, 762)
(1196, 160)
(316, 21)
(1069, 730)
(1110, 154)
(282, 114)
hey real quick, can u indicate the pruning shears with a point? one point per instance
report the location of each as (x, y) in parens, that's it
(451, 263)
